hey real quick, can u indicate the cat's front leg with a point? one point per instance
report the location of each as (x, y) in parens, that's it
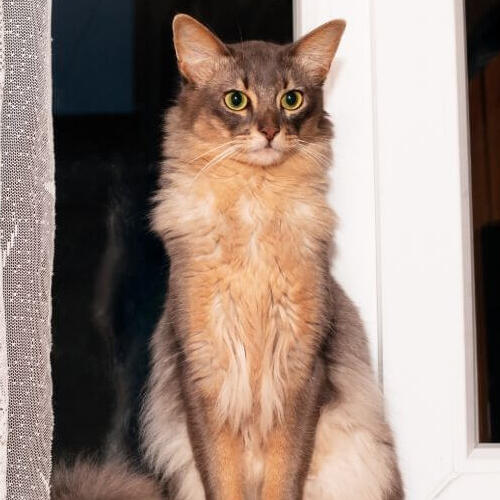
(290, 443)
(217, 447)
(279, 483)
(221, 465)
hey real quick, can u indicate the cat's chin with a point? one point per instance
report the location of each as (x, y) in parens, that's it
(264, 157)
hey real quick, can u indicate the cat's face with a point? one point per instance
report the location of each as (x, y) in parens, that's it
(255, 101)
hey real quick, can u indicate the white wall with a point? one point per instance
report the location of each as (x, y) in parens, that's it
(349, 98)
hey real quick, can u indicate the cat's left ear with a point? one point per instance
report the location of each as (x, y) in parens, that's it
(316, 50)
(198, 50)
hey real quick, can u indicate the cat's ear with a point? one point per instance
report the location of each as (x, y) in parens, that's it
(198, 50)
(316, 50)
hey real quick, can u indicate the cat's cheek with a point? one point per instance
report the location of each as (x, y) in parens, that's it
(211, 128)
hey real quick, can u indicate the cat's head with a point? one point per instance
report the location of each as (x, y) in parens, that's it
(255, 101)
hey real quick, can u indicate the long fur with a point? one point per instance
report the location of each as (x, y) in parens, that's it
(91, 480)
(261, 383)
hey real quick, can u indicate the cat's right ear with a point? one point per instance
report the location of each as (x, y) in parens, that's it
(198, 50)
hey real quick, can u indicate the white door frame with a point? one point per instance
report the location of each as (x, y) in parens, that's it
(401, 189)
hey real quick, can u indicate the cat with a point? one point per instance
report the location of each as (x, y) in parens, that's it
(261, 384)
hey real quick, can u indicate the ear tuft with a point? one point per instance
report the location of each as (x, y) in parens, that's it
(316, 50)
(197, 48)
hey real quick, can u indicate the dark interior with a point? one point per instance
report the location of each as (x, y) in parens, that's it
(114, 76)
(483, 50)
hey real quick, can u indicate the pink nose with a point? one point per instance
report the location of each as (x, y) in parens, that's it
(269, 132)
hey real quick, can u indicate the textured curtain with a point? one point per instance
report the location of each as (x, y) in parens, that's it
(26, 249)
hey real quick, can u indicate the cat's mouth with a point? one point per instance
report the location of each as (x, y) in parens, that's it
(263, 152)
(265, 156)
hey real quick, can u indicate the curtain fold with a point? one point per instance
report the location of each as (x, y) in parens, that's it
(26, 249)
(4, 395)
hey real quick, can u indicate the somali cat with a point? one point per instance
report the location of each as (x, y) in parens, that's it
(261, 384)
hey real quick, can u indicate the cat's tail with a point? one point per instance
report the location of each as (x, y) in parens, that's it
(91, 480)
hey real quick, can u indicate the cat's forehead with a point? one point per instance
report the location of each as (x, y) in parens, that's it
(262, 65)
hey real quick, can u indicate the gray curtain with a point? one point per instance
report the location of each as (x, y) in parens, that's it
(26, 249)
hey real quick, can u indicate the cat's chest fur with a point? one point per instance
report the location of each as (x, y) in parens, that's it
(252, 288)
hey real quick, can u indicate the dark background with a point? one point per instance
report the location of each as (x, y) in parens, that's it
(483, 50)
(114, 75)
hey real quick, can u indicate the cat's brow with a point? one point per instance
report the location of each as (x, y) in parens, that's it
(253, 97)
(242, 84)
(291, 84)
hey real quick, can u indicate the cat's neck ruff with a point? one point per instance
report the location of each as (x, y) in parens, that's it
(293, 192)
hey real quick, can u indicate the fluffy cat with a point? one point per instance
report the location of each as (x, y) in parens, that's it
(261, 384)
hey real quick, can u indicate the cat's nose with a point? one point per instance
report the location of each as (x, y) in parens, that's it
(269, 132)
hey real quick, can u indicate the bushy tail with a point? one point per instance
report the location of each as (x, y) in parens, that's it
(88, 480)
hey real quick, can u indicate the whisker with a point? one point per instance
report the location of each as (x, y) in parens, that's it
(217, 159)
(228, 143)
(300, 152)
(320, 143)
(310, 147)
(306, 149)
(307, 154)
(321, 158)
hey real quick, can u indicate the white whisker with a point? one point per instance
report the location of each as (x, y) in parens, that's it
(217, 159)
(228, 143)
(310, 147)
(307, 154)
(306, 149)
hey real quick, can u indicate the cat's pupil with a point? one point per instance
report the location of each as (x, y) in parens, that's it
(236, 99)
(291, 98)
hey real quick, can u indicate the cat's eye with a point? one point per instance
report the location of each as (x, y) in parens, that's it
(236, 100)
(292, 100)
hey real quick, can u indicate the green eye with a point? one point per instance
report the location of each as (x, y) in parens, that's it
(236, 100)
(292, 100)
